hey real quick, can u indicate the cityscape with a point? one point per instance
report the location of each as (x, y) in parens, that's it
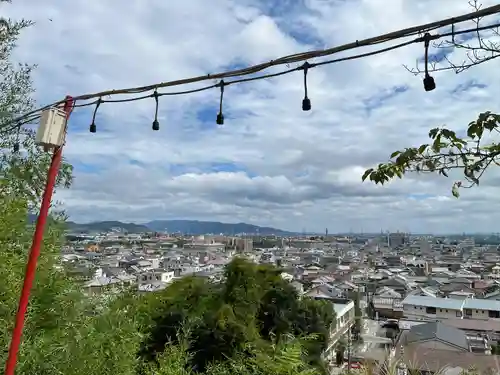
(422, 298)
(251, 187)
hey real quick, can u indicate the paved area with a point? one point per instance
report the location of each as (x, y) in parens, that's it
(372, 336)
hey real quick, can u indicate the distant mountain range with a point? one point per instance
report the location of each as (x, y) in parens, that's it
(215, 227)
(180, 226)
(105, 226)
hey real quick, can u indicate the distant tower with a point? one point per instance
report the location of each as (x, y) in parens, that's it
(326, 232)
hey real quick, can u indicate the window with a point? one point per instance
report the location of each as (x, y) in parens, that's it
(468, 312)
(477, 311)
(446, 310)
(459, 313)
(430, 310)
(493, 314)
(440, 310)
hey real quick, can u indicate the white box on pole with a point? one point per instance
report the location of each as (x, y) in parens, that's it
(51, 131)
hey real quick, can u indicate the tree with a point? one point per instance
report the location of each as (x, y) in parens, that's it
(252, 306)
(61, 334)
(277, 359)
(339, 352)
(445, 153)
(479, 46)
(22, 173)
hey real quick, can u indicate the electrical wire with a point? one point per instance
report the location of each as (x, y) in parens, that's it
(289, 59)
(6, 130)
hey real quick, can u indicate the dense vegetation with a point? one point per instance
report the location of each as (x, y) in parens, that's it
(254, 307)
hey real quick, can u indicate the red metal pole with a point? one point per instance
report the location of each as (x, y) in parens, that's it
(35, 252)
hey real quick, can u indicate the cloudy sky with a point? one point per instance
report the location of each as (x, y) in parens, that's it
(271, 163)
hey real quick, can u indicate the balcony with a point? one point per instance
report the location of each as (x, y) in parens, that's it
(337, 333)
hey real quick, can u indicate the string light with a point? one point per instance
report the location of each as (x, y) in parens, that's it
(306, 102)
(156, 124)
(429, 83)
(220, 115)
(93, 127)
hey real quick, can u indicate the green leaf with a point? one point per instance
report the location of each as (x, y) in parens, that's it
(433, 133)
(436, 145)
(422, 148)
(366, 174)
(395, 153)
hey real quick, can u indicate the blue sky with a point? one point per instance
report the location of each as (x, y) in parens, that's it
(270, 163)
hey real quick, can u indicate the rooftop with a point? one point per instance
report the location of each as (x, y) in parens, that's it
(425, 301)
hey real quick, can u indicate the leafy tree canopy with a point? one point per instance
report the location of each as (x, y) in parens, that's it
(252, 306)
(471, 154)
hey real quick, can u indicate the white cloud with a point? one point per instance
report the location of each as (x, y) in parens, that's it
(291, 169)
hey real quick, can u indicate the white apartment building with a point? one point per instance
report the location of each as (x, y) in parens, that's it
(344, 313)
(432, 308)
(155, 276)
(345, 320)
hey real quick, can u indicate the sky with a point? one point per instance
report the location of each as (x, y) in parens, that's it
(271, 163)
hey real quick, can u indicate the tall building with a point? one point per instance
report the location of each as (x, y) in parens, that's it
(397, 239)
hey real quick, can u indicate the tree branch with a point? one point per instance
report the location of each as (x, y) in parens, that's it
(478, 49)
(446, 152)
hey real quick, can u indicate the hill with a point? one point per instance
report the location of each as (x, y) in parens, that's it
(174, 226)
(214, 227)
(105, 226)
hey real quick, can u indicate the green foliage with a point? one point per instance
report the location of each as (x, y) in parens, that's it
(253, 306)
(22, 174)
(495, 349)
(277, 359)
(62, 334)
(446, 152)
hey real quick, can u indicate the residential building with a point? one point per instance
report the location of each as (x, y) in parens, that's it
(432, 308)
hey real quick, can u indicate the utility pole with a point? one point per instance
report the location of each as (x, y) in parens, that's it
(349, 345)
(29, 276)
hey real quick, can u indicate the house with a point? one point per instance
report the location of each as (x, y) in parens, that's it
(431, 308)
(435, 347)
(436, 335)
(422, 360)
(103, 282)
(491, 328)
(399, 283)
(325, 291)
(475, 308)
(152, 276)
